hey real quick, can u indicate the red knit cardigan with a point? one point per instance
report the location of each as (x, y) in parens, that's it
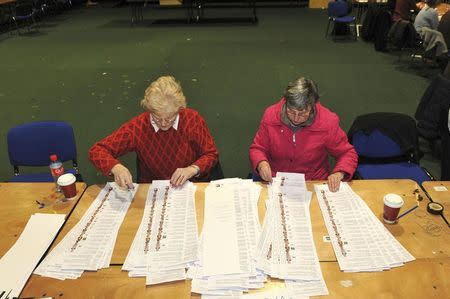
(159, 153)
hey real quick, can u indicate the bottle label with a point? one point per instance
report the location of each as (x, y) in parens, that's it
(56, 172)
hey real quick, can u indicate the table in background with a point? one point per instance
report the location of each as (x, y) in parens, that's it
(442, 8)
(421, 233)
(18, 201)
(194, 11)
(442, 197)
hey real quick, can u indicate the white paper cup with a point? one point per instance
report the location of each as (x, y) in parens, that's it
(392, 205)
(67, 184)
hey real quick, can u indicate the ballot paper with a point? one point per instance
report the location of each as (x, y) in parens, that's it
(167, 239)
(21, 259)
(360, 241)
(274, 294)
(88, 246)
(286, 248)
(226, 265)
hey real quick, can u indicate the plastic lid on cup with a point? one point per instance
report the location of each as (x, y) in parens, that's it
(393, 200)
(66, 179)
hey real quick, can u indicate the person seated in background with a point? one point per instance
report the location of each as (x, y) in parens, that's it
(404, 10)
(171, 141)
(426, 24)
(427, 16)
(298, 134)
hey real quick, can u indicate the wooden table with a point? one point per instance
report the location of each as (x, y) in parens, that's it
(442, 197)
(422, 234)
(7, 1)
(424, 278)
(18, 201)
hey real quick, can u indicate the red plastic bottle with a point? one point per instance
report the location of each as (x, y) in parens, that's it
(57, 169)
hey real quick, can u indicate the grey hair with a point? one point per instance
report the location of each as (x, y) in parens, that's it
(301, 94)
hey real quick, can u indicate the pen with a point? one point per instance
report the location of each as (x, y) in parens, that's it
(407, 212)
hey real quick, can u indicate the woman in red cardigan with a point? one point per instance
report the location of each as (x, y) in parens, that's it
(297, 134)
(171, 141)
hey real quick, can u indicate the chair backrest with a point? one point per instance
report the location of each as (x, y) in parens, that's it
(385, 135)
(375, 145)
(32, 144)
(338, 8)
(403, 35)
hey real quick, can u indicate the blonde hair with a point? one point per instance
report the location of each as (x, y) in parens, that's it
(164, 95)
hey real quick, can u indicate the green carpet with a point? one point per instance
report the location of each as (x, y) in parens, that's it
(89, 67)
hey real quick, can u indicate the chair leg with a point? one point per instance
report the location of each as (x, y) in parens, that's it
(17, 26)
(328, 28)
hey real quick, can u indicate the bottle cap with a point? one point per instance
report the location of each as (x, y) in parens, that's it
(435, 208)
(53, 158)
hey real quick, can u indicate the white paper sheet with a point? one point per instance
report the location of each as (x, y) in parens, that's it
(21, 259)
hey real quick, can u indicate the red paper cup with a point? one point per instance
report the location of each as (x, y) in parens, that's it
(67, 184)
(392, 205)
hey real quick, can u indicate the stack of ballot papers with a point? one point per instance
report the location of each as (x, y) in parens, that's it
(167, 239)
(226, 265)
(286, 248)
(90, 243)
(360, 241)
(21, 259)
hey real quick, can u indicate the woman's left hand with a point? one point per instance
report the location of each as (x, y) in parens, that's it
(181, 175)
(334, 180)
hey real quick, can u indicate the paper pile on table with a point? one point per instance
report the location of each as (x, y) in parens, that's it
(360, 241)
(88, 246)
(226, 265)
(286, 249)
(167, 239)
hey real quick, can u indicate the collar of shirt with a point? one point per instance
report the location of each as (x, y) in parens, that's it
(155, 126)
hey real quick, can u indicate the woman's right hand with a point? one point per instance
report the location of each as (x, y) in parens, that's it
(264, 171)
(122, 176)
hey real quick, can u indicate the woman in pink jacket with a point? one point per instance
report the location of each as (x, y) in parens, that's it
(297, 134)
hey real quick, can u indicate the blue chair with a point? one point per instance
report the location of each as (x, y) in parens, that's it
(338, 14)
(32, 144)
(381, 156)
